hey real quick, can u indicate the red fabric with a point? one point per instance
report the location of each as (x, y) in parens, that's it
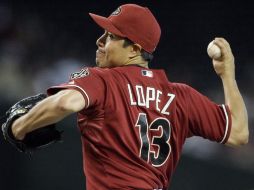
(111, 129)
(204, 117)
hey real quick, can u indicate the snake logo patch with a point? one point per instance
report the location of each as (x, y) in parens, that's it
(82, 73)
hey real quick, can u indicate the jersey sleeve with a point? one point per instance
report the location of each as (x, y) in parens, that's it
(89, 83)
(206, 118)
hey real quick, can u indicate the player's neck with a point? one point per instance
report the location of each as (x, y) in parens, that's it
(137, 61)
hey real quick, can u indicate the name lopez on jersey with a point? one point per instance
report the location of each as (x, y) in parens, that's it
(143, 96)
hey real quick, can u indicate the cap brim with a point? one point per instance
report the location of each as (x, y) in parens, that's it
(106, 24)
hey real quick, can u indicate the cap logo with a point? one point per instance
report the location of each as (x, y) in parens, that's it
(116, 12)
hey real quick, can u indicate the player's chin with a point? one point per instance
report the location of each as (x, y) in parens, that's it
(99, 63)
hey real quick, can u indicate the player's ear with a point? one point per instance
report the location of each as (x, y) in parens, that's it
(135, 50)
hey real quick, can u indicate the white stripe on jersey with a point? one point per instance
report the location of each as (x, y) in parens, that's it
(226, 130)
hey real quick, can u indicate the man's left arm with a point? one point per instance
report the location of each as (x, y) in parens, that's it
(50, 110)
(225, 69)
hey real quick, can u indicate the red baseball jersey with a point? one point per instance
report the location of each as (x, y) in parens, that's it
(135, 123)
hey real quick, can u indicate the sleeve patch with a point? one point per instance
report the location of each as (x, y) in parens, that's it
(82, 73)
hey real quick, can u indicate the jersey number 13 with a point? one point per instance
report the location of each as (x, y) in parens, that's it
(161, 141)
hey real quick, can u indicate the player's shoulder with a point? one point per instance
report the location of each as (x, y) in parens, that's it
(106, 72)
(180, 88)
(109, 72)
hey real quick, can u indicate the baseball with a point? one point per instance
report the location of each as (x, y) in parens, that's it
(213, 50)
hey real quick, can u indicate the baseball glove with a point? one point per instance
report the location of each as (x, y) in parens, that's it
(38, 138)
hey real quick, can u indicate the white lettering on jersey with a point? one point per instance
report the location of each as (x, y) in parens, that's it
(150, 96)
(131, 96)
(158, 100)
(140, 94)
(171, 97)
(146, 95)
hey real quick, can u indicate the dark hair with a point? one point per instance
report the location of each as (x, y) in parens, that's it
(144, 54)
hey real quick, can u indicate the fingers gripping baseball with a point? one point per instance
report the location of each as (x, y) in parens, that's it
(224, 64)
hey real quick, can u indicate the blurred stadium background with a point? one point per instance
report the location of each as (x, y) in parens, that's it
(43, 41)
